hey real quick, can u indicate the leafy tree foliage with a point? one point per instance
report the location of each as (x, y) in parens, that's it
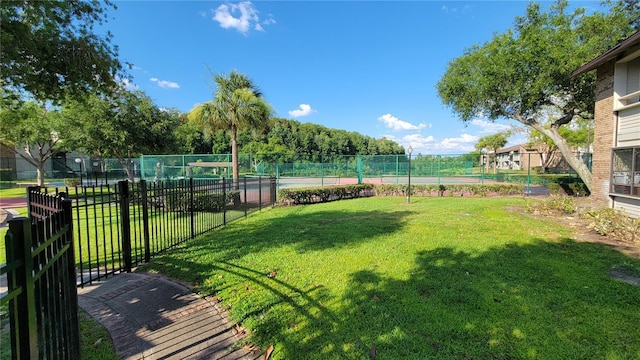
(34, 129)
(522, 72)
(237, 104)
(123, 125)
(313, 143)
(49, 48)
(190, 138)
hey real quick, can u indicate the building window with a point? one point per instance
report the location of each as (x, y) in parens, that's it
(625, 172)
(627, 83)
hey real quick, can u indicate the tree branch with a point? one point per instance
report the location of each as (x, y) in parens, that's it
(564, 120)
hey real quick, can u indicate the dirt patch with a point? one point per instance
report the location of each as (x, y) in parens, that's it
(580, 226)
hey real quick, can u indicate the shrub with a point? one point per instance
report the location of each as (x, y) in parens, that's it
(567, 185)
(554, 204)
(554, 188)
(72, 182)
(324, 194)
(7, 174)
(202, 201)
(614, 223)
(449, 190)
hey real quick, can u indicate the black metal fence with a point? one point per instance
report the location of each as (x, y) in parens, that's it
(120, 226)
(41, 277)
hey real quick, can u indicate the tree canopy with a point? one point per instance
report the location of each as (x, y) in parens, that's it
(123, 125)
(49, 48)
(237, 104)
(523, 72)
(35, 130)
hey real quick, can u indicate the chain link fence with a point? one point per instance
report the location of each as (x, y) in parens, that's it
(298, 170)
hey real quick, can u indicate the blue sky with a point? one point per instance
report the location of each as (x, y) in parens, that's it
(365, 66)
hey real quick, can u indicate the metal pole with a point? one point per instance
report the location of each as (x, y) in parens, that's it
(410, 150)
(529, 175)
(409, 187)
(439, 169)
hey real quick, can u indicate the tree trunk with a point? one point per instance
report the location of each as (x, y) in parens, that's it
(495, 161)
(543, 163)
(126, 164)
(40, 173)
(234, 157)
(576, 164)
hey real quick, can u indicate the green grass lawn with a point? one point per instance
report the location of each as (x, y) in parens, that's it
(7, 193)
(441, 278)
(95, 342)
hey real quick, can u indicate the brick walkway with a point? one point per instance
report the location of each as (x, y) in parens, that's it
(151, 317)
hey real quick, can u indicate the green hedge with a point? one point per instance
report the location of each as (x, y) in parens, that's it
(7, 174)
(450, 190)
(202, 201)
(331, 193)
(314, 195)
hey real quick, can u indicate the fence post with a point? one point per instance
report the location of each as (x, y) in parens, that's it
(29, 197)
(529, 175)
(245, 197)
(72, 304)
(277, 169)
(145, 220)
(439, 169)
(224, 202)
(259, 191)
(359, 167)
(191, 211)
(18, 241)
(273, 190)
(125, 228)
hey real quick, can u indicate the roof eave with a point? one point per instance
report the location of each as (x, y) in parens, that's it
(609, 55)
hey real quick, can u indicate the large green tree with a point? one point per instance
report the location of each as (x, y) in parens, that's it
(33, 129)
(523, 72)
(237, 104)
(122, 125)
(50, 50)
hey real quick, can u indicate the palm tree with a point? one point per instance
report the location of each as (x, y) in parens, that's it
(493, 142)
(237, 104)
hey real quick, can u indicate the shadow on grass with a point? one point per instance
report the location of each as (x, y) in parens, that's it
(545, 300)
(312, 232)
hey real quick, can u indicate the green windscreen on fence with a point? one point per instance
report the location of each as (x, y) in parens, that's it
(383, 168)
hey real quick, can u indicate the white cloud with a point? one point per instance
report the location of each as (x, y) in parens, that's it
(247, 17)
(127, 84)
(456, 9)
(165, 83)
(396, 124)
(460, 145)
(422, 144)
(270, 20)
(489, 127)
(304, 110)
(418, 142)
